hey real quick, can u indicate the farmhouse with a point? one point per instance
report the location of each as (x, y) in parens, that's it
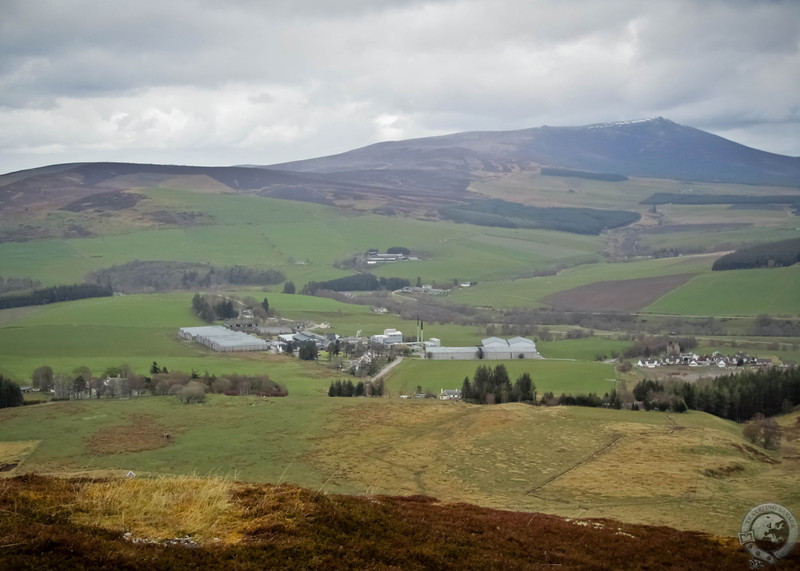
(491, 348)
(454, 394)
(222, 339)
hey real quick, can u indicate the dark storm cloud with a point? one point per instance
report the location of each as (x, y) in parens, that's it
(259, 82)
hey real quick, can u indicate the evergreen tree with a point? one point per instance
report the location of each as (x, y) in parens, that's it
(524, 388)
(10, 393)
(466, 390)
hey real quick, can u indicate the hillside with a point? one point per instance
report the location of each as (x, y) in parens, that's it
(419, 175)
(120, 524)
(654, 148)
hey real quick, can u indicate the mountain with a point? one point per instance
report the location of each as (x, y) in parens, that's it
(653, 148)
(420, 176)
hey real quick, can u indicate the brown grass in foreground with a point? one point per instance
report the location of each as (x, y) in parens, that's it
(73, 523)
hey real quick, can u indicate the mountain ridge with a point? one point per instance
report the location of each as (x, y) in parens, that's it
(651, 148)
(418, 177)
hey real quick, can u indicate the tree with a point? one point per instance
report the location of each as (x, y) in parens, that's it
(289, 287)
(154, 368)
(43, 378)
(308, 351)
(466, 390)
(192, 392)
(265, 305)
(764, 431)
(524, 388)
(225, 310)
(10, 393)
(62, 386)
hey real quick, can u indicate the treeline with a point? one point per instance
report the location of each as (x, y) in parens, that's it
(608, 400)
(647, 346)
(493, 386)
(360, 389)
(12, 284)
(611, 177)
(770, 255)
(55, 294)
(356, 282)
(674, 198)
(766, 326)
(156, 276)
(210, 312)
(496, 212)
(123, 382)
(231, 385)
(743, 395)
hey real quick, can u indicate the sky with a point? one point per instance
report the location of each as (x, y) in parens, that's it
(212, 82)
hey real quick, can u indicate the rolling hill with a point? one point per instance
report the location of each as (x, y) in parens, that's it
(421, 175)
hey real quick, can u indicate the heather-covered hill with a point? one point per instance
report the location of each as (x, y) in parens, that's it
(215, 524)
(656, 148)
(424, 174)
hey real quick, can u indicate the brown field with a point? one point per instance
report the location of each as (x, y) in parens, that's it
(141, 432)
(622, 295)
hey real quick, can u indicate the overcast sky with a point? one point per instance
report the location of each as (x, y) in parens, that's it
(212, 82)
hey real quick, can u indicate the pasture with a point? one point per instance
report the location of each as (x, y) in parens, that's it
(557, 376)
(735, 292)
(691, 471)
(301, 239)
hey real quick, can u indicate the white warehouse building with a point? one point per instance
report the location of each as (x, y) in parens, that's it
(491, 348)
(222, 339)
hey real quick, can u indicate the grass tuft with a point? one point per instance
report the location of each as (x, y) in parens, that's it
(160, 508)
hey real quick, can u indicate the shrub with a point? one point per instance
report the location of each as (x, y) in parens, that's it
(193, 392)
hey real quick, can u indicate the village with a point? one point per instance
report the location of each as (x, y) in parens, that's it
(716, 359)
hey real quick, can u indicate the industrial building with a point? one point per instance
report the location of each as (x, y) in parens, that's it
(389, 337)
(221, 339)
(491, 348)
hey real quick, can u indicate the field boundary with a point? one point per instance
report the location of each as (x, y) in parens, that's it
(614, 439)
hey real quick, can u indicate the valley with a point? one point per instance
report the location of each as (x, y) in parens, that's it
(585, 298)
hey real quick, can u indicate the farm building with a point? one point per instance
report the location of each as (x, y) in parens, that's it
(514, 348)
(491, 348)
(222, 339)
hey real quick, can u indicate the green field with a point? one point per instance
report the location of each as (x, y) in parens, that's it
(303, 240)
(736, 292)
(571, 377)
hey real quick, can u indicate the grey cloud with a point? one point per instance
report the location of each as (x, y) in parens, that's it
(288, 80)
